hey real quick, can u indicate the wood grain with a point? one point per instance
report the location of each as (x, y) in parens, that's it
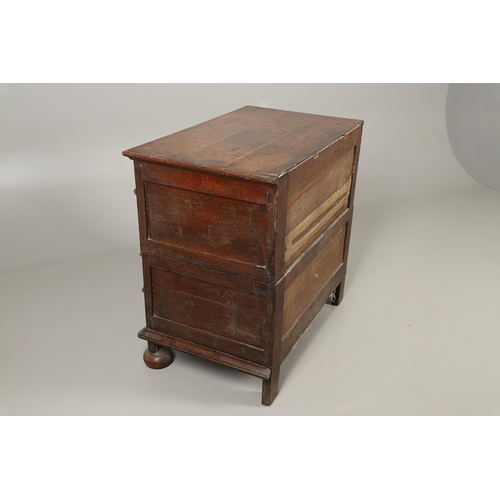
(210, 307)
(207, 223)
(304, 233)
(280, 140)
(212, 354)
(244, 225)
(224, 279)
(335, 155)
(203, 259)
(301, 291)
(308, 315)
(214, 184)
(272, 343)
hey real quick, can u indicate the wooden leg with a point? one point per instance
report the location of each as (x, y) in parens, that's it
(157, 356)
(270, 388)
(330, 300)
(339, 293)
(335, 298)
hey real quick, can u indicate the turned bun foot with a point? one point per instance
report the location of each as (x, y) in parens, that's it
(158, 357)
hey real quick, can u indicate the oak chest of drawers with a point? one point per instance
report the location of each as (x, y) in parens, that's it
(244, 225)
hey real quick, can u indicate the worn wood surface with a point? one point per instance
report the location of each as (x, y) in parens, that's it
(275, 310)
(171, 340)
(251, 142)
(206, 223)
(320, 214)
(339, 293)
(194, 217)
(323, 259)
(244, 225)
(314, 307)
(204, 305)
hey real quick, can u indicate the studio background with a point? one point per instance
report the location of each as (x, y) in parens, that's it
(414, 335)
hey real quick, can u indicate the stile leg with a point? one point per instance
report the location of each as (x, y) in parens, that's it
(270, 388)
(335, 298)
(339, 293)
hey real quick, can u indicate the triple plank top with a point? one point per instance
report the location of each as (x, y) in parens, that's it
(251, 142)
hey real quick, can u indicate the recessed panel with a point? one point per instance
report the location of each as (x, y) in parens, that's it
(224, 227)
(223, 312)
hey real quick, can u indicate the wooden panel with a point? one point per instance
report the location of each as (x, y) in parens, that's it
(319, 191)
(178, 144)
(333, 178)
(311, 226)
(202, 259)
(252, 287)
(253, 143)
(310, 254)
(219, 185)
(306, 318)
(300, 291)
(339, 153)
(304, 134)
(243, 365)
(206, 223)
(208, 339)
(206, 306)
(243, 143)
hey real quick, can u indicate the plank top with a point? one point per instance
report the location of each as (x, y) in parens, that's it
(251, 142)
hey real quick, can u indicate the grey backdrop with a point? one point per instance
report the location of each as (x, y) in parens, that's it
(417, 332)
(473, 121)
(66, 191)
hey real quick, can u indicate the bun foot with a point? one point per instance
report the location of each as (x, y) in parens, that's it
(158, 357)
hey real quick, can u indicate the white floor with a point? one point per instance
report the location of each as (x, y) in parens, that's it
(417, 332)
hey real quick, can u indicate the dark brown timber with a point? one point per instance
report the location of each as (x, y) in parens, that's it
(244, 225)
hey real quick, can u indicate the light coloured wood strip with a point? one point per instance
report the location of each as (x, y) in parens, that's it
(321, 241)
(337, 209)
(319, 211)
(338, 203)
(300, 291)
(333, 200)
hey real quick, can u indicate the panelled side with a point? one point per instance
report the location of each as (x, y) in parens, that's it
(208, 220)
(210, 309)
(320, 192)
(208, 247)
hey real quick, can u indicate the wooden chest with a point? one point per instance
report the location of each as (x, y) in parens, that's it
(244, 225)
